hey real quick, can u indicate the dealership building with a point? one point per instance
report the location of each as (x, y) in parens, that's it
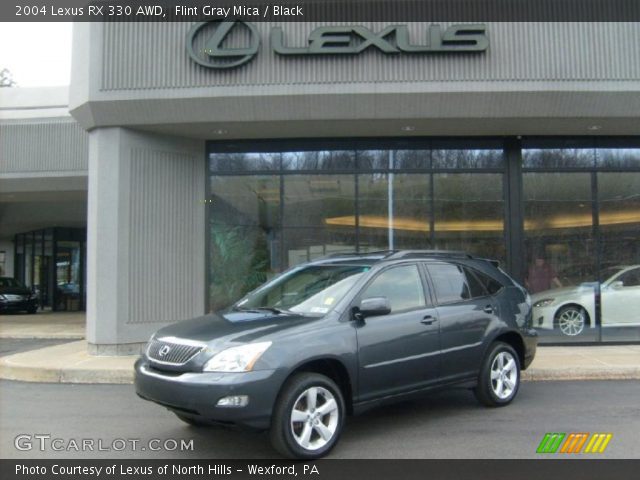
(188, 163)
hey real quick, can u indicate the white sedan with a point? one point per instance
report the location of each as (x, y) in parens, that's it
(571, 310)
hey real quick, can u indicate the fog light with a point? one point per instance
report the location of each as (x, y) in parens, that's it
(235, 401)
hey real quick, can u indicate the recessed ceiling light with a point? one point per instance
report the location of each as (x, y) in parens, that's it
(220, 131)
(408, 128)
(594, 128)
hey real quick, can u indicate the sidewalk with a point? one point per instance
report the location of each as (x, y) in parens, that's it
(70, 363)
(48, 325)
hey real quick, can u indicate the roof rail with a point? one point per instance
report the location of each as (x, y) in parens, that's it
(384, 253)
(427, 253)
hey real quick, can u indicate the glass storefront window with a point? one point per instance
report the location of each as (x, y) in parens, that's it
(410, 219)
(559, 158)
(618, 157)
(374, 222)
(468, 158)
(393, 211)
(619, 204)
(245, 235)
(469, 213)
(332, 160)
(52, 263)
(560, 254)
(578, 222)
(412, 159)
(244, 162)
(319, 216)
(68, 294)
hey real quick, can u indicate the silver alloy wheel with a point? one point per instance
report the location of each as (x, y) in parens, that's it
(314, 418)
(571, 322)
(504, 375)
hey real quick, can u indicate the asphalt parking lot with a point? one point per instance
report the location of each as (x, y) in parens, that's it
(446, 425)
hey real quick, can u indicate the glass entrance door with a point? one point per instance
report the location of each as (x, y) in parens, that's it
(68, 291)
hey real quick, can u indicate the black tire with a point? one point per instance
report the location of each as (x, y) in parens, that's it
(571, 320)
(191, 421)
(32, 311)
(292, 395)
(488, 389)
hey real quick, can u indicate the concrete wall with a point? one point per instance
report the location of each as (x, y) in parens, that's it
(38, 136)
(519, 52)
(43, 161)
(44, 145)
(146, 236)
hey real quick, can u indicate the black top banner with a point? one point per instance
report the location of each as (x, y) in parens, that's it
(321, 10)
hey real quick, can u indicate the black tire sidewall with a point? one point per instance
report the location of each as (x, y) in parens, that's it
(290, 393)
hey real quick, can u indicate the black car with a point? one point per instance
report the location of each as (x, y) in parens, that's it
(338, 336)
(15, 297)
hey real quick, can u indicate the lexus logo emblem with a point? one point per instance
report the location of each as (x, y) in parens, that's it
(164, 350)
(206, 43)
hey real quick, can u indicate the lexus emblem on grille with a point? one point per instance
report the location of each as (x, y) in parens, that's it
(164, 350)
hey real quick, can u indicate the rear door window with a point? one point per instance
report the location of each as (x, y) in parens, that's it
(490, 284)
(477, 289)
(449, 282)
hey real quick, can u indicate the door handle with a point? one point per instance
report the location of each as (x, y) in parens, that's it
(428, 320)
(488, 309)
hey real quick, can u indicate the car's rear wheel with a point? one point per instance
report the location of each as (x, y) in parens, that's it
(499, 378)
(571, 320)
(308, 416)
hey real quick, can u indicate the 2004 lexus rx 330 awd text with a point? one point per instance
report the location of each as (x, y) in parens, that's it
(340, 335)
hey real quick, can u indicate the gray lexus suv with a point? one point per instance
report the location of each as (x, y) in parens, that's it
(340, 335)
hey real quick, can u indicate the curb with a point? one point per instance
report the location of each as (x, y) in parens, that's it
(578, 373)
(67, 363)
(23, 373)
(48, 336)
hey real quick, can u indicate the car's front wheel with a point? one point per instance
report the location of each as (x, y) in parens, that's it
(308, 416)
(571, 320)
(499, 377)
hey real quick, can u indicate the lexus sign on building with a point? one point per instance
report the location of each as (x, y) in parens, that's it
(343, 40)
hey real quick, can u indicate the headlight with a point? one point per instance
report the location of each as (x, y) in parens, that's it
(543, 303)
(3, 298)
(237, 359)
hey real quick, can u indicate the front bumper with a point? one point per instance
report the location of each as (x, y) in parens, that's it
(543, 317)
(18, 305)
(195, 394)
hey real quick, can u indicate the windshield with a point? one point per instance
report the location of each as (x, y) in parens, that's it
(311, 290)
(610, 272)
(10, 282)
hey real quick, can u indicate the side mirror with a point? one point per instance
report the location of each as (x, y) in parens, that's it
(372, 307)
(617, 285)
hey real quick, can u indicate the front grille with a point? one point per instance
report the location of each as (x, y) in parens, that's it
(173, 351)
